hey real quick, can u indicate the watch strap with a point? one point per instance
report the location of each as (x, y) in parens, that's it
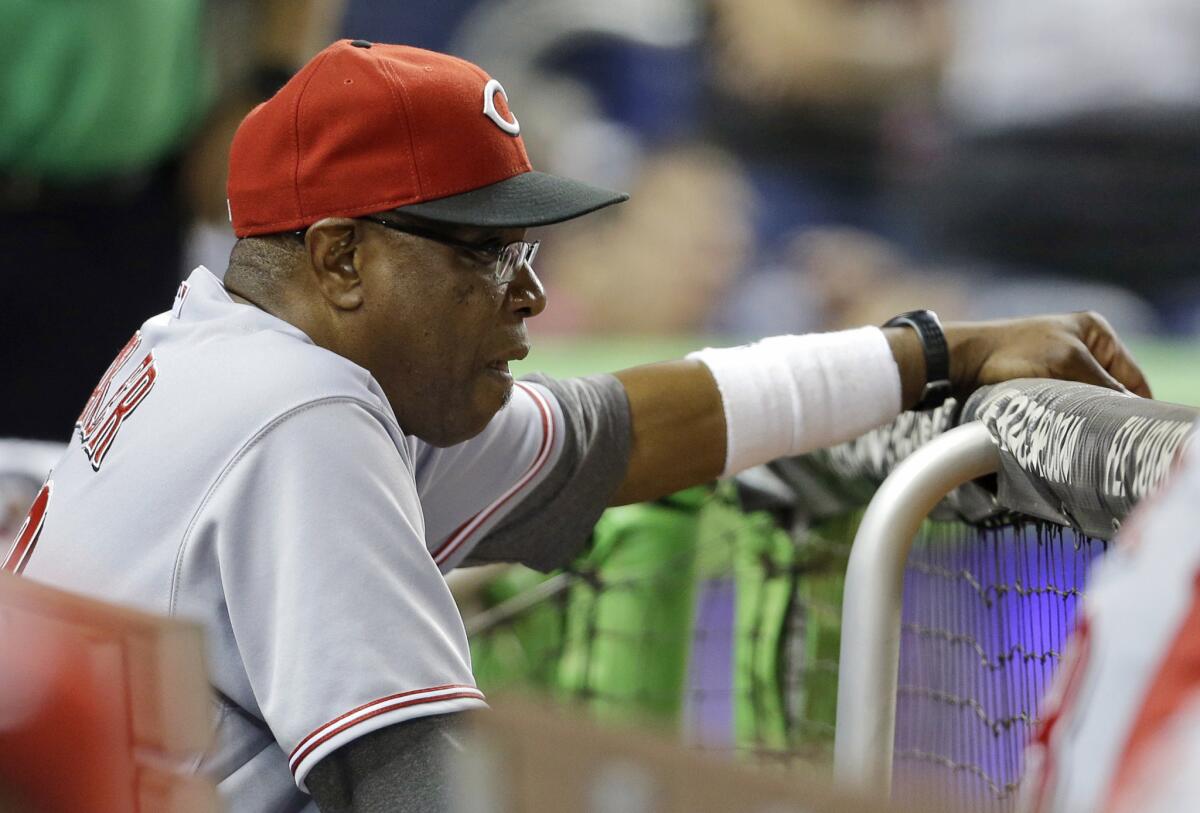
(937, 355)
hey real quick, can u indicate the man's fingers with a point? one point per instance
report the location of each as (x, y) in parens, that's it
(1112, 354)
(1087, 369)
(1125, 369)
(1073, 347)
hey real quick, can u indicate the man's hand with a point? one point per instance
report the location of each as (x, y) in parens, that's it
(679, 423)
(1073, 347)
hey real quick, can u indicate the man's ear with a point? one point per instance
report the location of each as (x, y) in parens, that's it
(332, 245)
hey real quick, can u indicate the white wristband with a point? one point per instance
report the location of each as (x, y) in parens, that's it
(787, 395)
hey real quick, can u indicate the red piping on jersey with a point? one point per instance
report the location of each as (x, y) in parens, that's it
(322, 735)
(1174, 684)
(31, 531)
(456, 539)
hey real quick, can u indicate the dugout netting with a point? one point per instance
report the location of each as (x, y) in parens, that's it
(716, 613)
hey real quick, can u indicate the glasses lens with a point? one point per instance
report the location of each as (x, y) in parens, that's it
(512, 257)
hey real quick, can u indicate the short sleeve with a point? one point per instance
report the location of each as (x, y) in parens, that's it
(468, 488)
(530, 488)
(342, 620)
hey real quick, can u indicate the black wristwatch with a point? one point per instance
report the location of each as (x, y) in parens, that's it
(937, 355)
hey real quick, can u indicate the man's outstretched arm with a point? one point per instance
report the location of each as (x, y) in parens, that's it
(680, 428)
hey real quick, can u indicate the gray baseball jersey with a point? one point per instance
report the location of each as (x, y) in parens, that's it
(228, 470)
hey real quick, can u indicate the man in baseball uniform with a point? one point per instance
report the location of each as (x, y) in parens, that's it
(295, 456)
(1119, 730)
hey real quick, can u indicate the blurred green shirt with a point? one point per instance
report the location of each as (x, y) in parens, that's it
(95, 88)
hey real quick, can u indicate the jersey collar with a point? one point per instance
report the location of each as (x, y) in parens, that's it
(202, 297)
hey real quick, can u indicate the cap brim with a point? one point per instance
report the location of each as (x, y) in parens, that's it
(528, 199)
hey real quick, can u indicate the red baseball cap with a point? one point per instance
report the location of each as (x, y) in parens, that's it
(365, 128)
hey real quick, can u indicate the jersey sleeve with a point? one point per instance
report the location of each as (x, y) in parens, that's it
(343, 623)
(531, 486)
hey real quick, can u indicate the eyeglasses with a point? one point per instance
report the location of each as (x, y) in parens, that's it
(503, 260)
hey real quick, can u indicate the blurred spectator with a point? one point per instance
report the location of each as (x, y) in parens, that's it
(819, 97)
(96, 102)
(1076, 143)
(99, 104)
(660, 263)
(834, 278)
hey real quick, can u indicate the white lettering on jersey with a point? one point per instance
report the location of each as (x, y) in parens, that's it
(102, 416)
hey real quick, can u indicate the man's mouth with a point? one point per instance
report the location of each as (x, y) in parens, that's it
(514, 353)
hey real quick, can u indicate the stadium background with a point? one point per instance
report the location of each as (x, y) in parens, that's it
(796, 165)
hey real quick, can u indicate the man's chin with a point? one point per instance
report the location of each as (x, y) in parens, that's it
(445, 439)
(463, 431)
(452, 426)
(493, 392)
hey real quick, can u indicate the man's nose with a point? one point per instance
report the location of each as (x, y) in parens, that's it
(526, 296)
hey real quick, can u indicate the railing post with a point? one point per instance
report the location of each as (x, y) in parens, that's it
(870, 648)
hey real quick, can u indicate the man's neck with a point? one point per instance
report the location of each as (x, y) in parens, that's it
(242, 299)
(281, 311)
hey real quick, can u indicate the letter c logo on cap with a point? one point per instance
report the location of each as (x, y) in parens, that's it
(489, 108)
